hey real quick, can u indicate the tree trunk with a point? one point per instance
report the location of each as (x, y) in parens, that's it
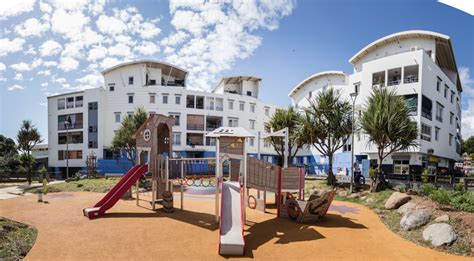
(331, 180)
(379, 184)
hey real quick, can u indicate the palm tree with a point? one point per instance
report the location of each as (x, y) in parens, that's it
(28, 136)
(284, 118)
(327, 125)
(123, 140)
(387, 121)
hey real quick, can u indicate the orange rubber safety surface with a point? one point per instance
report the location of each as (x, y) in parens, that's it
(131, 232)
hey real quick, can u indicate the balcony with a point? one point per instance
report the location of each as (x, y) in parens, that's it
(410, 74)
(426, 113)
(198, 127)
(193, 139)
(213, 123)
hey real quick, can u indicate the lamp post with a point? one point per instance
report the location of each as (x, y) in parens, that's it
(67, 123)
(353, 98)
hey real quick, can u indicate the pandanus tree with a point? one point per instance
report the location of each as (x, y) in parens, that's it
(284, 118)
(386, 120)
(123, 141)
(326, 125)
(28, 136)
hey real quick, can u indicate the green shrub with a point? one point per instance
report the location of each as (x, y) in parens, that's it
(427, 189)
(459, 187)
(441, 196)
(425, 176)
(463, 201)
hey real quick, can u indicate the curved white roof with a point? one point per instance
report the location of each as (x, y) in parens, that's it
(314, 76)
(395, 37)
(156, 63)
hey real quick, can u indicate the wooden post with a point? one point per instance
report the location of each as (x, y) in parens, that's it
(301, 184)
(279, 193)
(137, 185)
(264, 200)
(182, 185)
(167, 173)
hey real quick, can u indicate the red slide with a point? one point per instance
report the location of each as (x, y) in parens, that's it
(116, 192)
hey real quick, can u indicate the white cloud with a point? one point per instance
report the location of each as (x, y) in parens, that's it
(50, 47)
(110, 25)
(466, 80)
(147, 48)
(44, 72)
(18, 77)
(467, 121)
(13, 46)
(120, 49)
(2, 67)
(30, 51)
(50, 63)
(68, 23)
(15, 87)
(97, 7)
(44, 84)
(109, 62)
(68, 64)
(96, 53)
(12, 8)
(45, 7)
(148, 30)
(92, 80)
(43, 104)
(31, 27)
(222, 33)
(22, 67)
(70, 5)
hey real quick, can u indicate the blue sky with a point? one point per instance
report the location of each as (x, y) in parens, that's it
(55, 46)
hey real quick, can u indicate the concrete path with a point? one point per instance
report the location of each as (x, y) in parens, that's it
(17, 191)
(131, 232)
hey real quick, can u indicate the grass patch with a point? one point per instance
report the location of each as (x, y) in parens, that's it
(16, 239)
(90, 185)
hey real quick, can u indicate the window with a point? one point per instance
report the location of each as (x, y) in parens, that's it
(241, 106)
(425, 132)
(249, 93)
(411, 101)
(70, 102)
(75, 121)
(177, 138)
(79, 101)
(401, 166)
(92, 106)
(357, 87)
(378, 79)
(61, 104)
(439, 112)
(176, 117)
(130, 98)
(165, 99)
(267, 111)
(231, 104)
(152, 82)
(411, 74)
(450, 139)
(451, 118)
(177, 99)
(446, 91)
(438, 84)
(111, 87)
(199, 102)
(394, 76)
(346, 147)
(436, 133)
(252, 124)
(452, 96)
(130, 80)
(252, 142)
(190, 101)
(252, 107)
(233, 122)
(117, 117)
(426, 107)
(152, 98)
(72, 138)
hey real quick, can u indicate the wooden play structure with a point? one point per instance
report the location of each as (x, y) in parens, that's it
(154, 162)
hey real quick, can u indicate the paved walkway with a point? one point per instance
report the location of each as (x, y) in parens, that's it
(16, 191)
(131, 232)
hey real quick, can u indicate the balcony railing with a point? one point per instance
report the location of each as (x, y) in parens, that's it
(219, 108)
(426, 113)
(210, 108)
(211, 127)
(393, 83)
(74, 125)
(411, 79)
(195, 126)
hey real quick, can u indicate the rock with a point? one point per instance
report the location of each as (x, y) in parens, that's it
(406, 207)
(443, 218)
(363, 197)
(412, 192)
(439, 234)
(415, 218)
(370, 200)
(343, 193)
(396, 199)
(354, 195)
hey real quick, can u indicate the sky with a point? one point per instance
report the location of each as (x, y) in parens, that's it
(49, 47)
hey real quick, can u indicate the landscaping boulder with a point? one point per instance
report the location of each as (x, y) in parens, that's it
(396, 200)
(443, 218)
(415, 218)
(439, 234)
(406, 207)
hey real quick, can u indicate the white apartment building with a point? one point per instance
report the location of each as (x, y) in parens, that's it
(159, 88)
(421, 66)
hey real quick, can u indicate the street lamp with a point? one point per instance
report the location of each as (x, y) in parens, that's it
(353, 99)
(67, 124)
